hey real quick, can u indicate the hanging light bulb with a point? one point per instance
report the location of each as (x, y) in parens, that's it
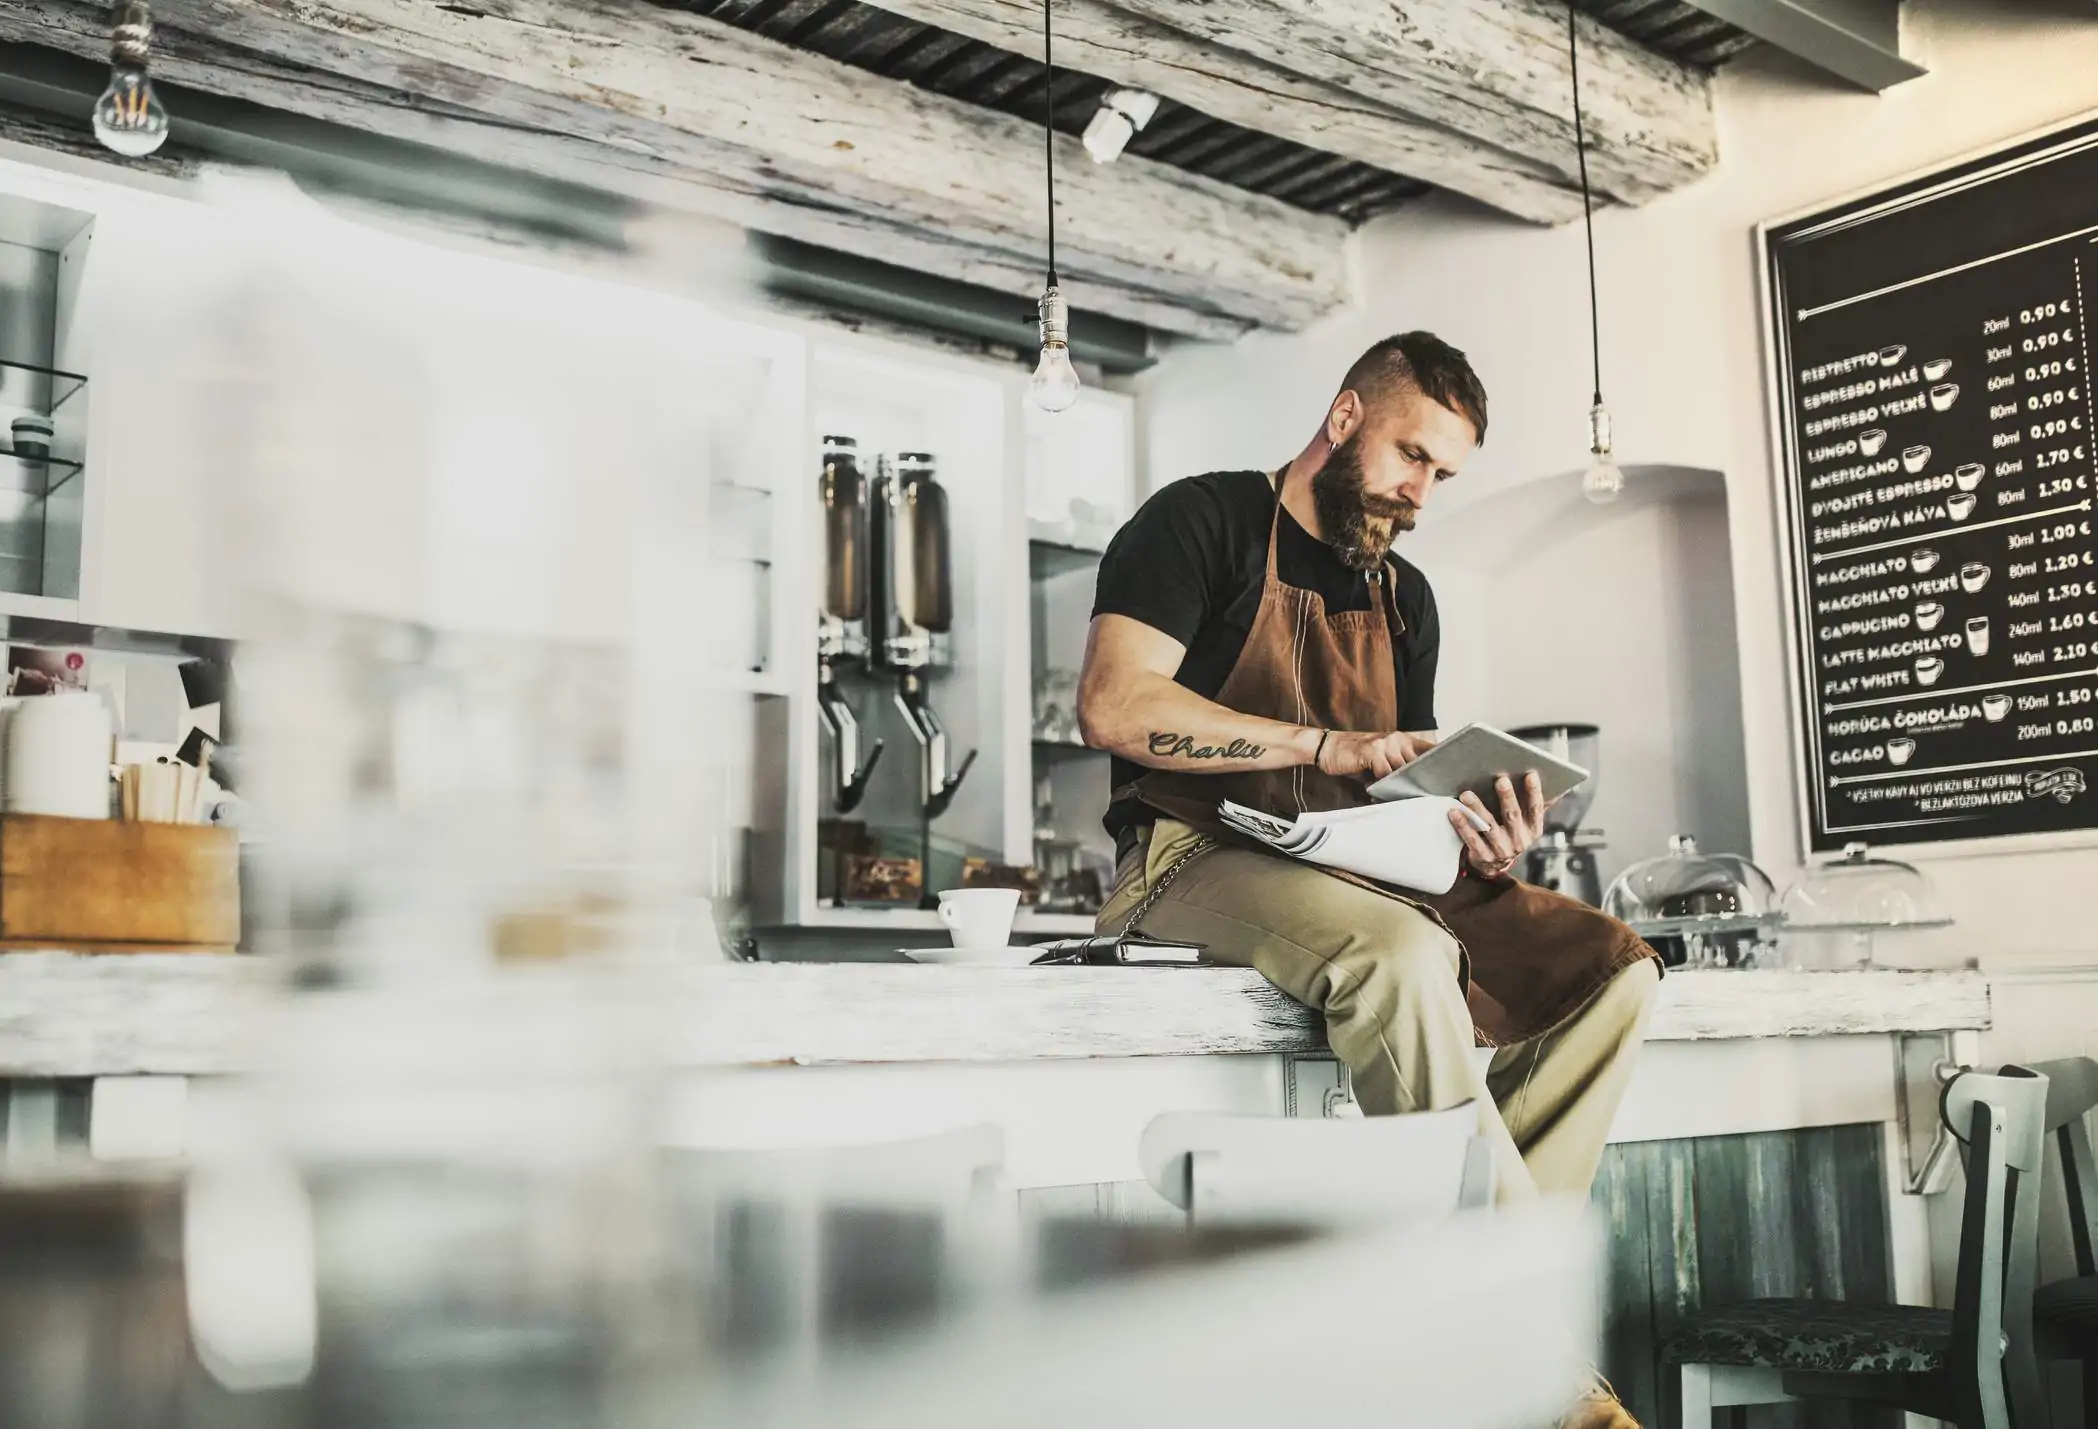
(128, 117)
(1055, 384)
(1603, 482)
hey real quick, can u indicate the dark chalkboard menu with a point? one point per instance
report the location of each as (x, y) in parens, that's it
(1930, 356)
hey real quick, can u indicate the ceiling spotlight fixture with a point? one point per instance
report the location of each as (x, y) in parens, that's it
(128, 117)
(1121, 116)
(1055, 384)
(1603, 482)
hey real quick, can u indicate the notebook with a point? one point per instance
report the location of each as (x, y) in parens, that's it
(1131, 950)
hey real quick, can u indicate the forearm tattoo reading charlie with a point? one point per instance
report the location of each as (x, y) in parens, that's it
(1166, 745)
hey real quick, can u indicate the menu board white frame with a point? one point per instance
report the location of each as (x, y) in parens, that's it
(1796, 601)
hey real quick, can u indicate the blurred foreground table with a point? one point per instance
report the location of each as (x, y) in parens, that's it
(1476, 1323)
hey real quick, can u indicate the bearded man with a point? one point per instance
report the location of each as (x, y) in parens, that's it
(1255, 638)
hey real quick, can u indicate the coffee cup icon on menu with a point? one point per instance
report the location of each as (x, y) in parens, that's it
(1914, 459)
(1928, 615)
(1936, 368)
(1978, 635)
(1969, 476)
(1995, 707)
(1923, 562)
(1870, 441)
(1891, 356)
(1960, 505)
(1900, 751)
(1973, 576)
(1943, 396)
(1928, 669)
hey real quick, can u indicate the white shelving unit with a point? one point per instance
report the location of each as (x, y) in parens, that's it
(1001, 462)
(43, 255)
(128, 280)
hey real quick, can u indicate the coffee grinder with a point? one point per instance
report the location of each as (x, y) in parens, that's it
(842, 641)
(1564, 861)
(911, 611)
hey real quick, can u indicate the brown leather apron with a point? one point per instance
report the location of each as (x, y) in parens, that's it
(1528, 958)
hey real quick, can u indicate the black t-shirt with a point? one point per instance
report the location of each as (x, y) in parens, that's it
(1191, 563)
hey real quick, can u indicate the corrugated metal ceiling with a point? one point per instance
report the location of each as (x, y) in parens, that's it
(868, 38)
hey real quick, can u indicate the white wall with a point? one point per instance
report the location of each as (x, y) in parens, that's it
(1619, 616)
(1682, 358)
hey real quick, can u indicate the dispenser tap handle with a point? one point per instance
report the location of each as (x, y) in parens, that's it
(854, 788)
(944, 796)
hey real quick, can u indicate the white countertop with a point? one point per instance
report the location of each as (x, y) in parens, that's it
(66, 1015)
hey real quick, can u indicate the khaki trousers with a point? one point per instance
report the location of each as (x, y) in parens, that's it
(1384, 974)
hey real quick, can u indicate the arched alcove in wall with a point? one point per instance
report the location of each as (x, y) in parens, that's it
(1620, 616)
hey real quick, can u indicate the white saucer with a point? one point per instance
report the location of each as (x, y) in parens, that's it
(974, 957)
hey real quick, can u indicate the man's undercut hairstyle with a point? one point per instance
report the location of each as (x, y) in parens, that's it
(1424, 362)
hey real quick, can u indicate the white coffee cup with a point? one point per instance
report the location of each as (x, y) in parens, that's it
(980, 917)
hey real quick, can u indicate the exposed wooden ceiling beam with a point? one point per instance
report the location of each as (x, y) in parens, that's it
(1097, 38)
(1493, 70)
(680, 110)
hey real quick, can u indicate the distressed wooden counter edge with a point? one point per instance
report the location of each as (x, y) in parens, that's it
(63, 1015)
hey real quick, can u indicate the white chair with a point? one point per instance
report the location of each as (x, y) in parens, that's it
(1250, 1169)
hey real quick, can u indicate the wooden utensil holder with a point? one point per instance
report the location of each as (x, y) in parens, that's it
(102, 885)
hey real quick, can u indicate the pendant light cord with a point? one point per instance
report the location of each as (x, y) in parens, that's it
(1595, 323)
(1049, 137)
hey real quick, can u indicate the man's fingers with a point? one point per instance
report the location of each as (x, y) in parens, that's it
(1380, 760)
(1468, 833)
(1511, 811)
(1533, 792)
(1481, 843)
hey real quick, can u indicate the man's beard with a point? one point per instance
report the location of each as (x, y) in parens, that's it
(1359, 525)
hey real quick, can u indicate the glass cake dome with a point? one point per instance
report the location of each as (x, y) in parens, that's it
(1686, 892)
(1864, 895)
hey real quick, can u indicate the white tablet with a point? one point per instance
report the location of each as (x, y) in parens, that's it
(1470, 760)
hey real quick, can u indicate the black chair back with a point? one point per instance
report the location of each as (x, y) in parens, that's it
(2001, 1119)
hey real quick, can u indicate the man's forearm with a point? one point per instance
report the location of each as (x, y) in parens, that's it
(1159, 723)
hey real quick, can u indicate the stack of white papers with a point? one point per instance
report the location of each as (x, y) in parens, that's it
(1407, 842)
